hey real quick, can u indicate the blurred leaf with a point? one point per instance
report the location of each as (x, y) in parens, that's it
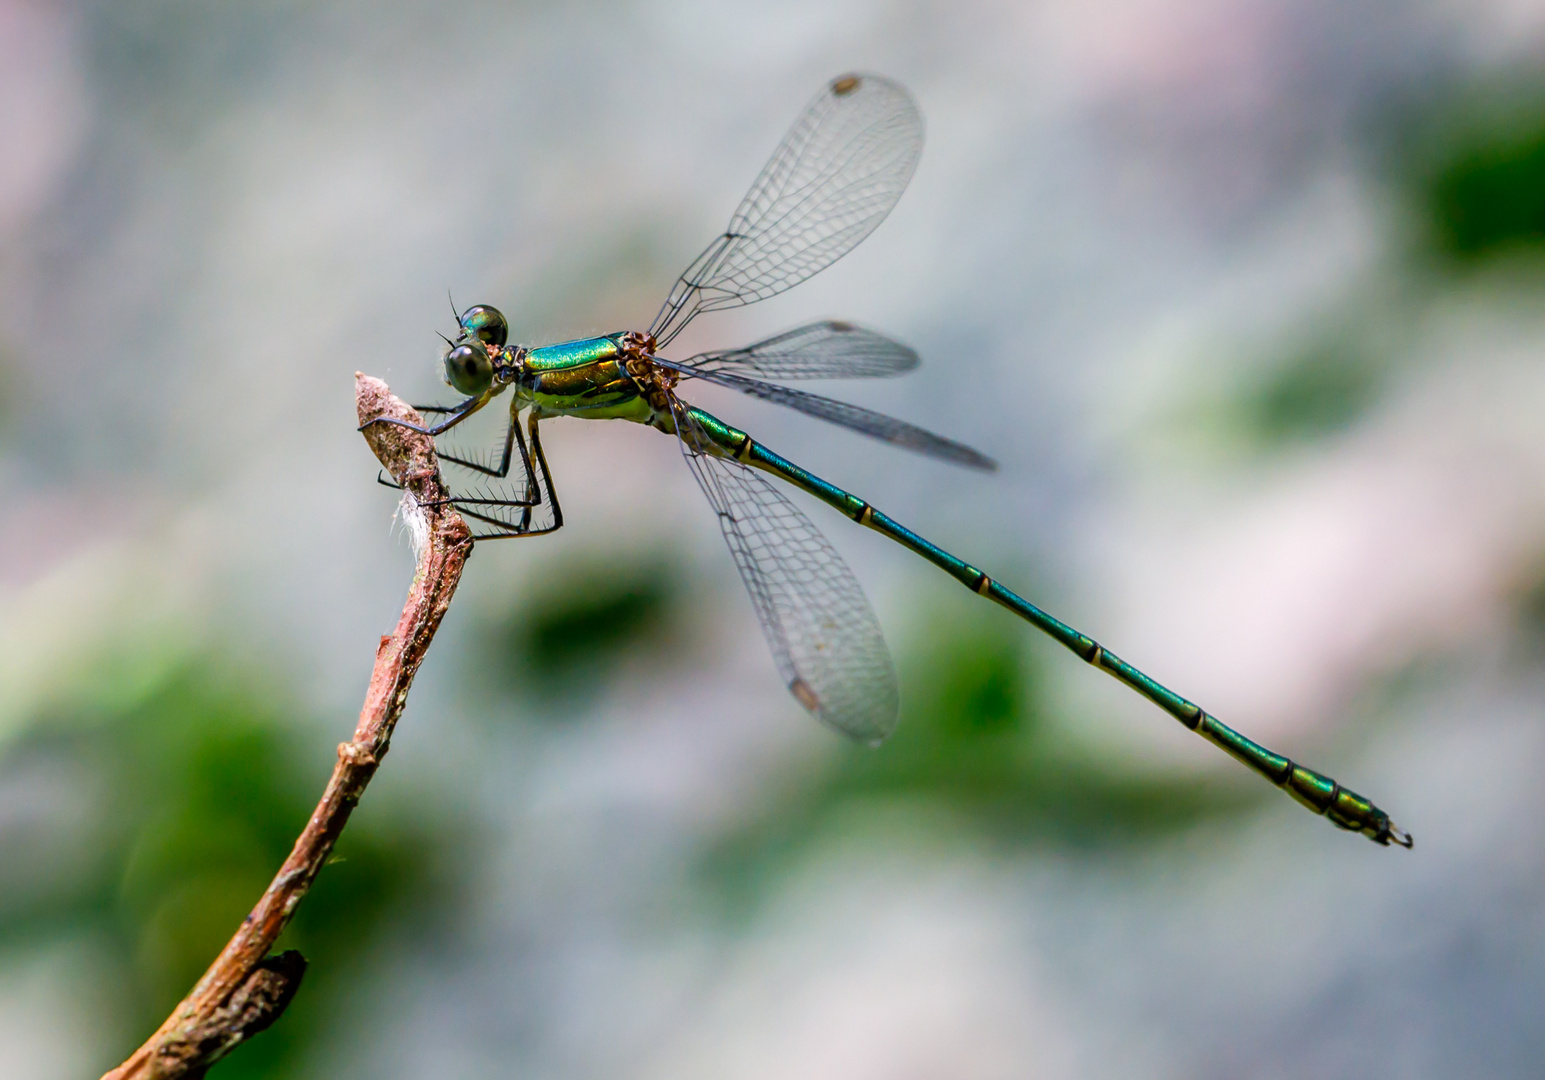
(195, 794)
(1490, 195)
(1322, 390)
(570, 639)
(1528, 603)
(1472, 158)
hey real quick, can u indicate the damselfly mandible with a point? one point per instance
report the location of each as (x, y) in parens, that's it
(831, 181)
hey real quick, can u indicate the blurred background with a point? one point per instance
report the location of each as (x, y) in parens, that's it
(1245, 295)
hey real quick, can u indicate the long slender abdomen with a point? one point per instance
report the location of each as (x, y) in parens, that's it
(1318, 792)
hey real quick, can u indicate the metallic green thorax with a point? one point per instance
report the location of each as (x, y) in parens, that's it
(586, 378)
(583, 378)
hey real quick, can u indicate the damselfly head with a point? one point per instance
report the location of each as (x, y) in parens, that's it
(484, 323)
(469, 368)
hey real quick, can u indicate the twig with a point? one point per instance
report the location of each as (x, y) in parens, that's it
(245, 989)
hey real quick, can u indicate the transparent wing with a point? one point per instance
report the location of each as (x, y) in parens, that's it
(823, 635)
(835, 176)
(865, 421)
(823, 350)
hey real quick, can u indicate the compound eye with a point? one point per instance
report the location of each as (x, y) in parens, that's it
(469, 369)
(486, 324)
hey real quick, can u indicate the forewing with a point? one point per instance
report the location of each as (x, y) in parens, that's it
(830, 182)
(865, 421)
(823, 350)
(823, 634)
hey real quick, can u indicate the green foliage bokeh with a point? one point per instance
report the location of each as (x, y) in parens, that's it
(191, 797)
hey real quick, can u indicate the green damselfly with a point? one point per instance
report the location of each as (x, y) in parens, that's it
(831, 181)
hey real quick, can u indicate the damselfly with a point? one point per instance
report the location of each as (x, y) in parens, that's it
(831, 181)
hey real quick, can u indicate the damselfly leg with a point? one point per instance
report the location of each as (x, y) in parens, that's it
(539, 482)
(458, 413)
(512, 438)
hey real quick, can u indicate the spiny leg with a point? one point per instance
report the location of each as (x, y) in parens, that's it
(533, 494)
(535, 490)
(462, 505)
(511, 436)
(458, 414)
(547, 476)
